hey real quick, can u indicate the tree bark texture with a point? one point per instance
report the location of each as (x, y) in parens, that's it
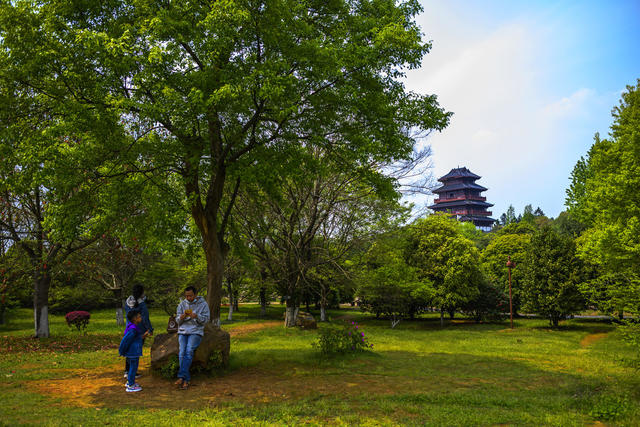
(41, 283)
(263, 302)
(291, 314)
(231, 303)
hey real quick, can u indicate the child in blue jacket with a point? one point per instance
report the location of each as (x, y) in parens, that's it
(131, 348)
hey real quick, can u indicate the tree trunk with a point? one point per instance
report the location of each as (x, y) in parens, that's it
(231, 300)
(323, 313)
(263, 302)
(452, 313)
(215, 272)
(236, 308)
(3, 303)
(441, 317)
(291, 314)
(41, 283)
(119, 316)
(120, 308)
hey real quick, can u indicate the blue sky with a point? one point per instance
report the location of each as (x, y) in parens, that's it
(529, 83)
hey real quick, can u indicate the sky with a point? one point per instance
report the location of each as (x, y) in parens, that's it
(529, 83)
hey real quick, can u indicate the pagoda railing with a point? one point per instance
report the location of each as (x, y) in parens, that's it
(480, 198)
(482, 213)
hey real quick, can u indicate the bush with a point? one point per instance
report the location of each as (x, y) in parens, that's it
(491, 303)
(170, 369)
(341, 339)
(609, 407)
(64, 298)
(79, 319)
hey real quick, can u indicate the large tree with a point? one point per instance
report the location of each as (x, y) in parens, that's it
(494, 263)
(604, 196)
(309, 221)
(445, 258)
(214, 87)
(551, 275)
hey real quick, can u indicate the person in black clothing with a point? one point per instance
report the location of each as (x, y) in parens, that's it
(138, 301)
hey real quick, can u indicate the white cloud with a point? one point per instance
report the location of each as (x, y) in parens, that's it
(507, 126)
(574, 105)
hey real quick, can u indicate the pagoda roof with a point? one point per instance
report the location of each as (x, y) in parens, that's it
(457, 203)
(459, 173)
(459, 186)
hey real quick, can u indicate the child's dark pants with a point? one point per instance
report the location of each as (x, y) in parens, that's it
(133, 368)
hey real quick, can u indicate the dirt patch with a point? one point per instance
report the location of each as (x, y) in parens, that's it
(104, 387)
(463, 322)
(591, 338)
(253, 327)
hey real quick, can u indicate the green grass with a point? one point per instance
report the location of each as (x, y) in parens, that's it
(419, 373)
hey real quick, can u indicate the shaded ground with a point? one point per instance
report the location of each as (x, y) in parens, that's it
(103, 388)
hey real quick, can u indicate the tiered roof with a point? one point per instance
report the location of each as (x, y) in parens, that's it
(460, 196)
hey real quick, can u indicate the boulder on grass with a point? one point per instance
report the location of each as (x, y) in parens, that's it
(214, 348)
(305, 320)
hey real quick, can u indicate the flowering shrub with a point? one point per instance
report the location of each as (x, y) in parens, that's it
(342, 339)
(79, 319)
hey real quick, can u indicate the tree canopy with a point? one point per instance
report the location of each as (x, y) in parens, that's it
(209, 94)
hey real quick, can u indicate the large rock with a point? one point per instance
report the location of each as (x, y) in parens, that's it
(214, 340)
(305, 320)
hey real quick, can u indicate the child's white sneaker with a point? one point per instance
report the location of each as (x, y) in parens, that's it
(133, 388)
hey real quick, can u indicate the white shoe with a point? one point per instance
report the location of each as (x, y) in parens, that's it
(133, 388)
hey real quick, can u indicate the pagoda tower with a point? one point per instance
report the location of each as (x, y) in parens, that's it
(459, 195)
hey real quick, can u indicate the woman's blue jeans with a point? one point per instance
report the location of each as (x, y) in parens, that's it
(188, 345)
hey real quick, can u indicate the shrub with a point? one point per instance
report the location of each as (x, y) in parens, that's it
(341, 339)
(79, 319)
(492, 303)
(609, 407)
(170, 369)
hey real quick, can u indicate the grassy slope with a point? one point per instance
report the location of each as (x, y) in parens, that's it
(419, 373)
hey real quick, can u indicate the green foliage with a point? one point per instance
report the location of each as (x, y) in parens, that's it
(566, 223)
(171, 368)
(491, 303)
(442, 256)
(630, 331)
(388, 285)
(346, 338)
(480, 238)
(551, 274)
(603, 196)
(494, 262)
(186, 101)
(609, 407)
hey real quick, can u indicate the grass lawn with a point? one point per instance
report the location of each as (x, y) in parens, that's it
(418, 373)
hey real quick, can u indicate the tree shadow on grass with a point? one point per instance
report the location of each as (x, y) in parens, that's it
(475, 380)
